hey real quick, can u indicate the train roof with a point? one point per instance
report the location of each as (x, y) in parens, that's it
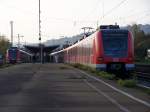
(114, 31)
(16, 48)
(12, 48)
(109, 27)
(25, 52)
(103, 29)
(56, 52)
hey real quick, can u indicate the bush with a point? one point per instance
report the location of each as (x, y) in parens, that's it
(92, 70)
(77, 65)
(148, 91)
(63, 67)
(127, 83)
(83, 67)
(106, 75)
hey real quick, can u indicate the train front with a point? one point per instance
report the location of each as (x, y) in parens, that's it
(12, 54)
(117, 50)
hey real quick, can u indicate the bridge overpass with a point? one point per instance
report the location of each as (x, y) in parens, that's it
(36, 50)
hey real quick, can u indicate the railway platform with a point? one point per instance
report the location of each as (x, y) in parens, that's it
(61, 88)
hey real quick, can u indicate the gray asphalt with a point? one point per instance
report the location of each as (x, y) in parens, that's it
(58, 88)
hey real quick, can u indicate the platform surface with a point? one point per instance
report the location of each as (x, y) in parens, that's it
(60, 88)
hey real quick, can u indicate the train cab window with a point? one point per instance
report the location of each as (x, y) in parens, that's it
(115, 43)
(13, 53)
(1, 57)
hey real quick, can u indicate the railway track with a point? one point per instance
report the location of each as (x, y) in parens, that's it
(143, 75)
(142, 68)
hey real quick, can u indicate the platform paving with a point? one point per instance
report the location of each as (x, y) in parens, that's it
(59, 88)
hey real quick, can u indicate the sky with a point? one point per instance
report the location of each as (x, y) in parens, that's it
(61, 18)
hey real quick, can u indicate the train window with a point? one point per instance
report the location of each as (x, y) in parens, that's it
(115, 44)
(0, 56)
(13, 53)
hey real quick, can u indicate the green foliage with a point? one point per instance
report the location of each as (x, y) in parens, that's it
(5, 65)
(147, 91)
(63, 67)
(127, 83)
(77, 65)
(4, 45)
(141, 42)
(106, 75)
(92, 70)
(143, 61)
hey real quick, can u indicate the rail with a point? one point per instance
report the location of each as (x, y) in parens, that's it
(142, 72)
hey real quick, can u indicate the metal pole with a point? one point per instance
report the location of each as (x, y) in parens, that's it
(40, 32)
(97, 24)
(103, 9)
(11, 25)
(18, 41)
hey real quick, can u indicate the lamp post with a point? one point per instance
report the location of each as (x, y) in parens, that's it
(40, 43)
(11, 26)
(19, 40)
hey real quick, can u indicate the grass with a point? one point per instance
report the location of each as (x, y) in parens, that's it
(130, 83)
(94, 71)
(5, 65)
(142, 61)
(106, 75)
(147, 91)
(63, 67)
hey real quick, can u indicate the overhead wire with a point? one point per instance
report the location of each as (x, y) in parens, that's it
(135, 16)
(75, 22)
(93, 10)
(114, 8)
(107, 13)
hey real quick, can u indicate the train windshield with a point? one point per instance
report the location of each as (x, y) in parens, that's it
(12, 53)
(115, 43)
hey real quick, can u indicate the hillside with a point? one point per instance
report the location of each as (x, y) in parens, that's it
(64, 41)
(71, 40)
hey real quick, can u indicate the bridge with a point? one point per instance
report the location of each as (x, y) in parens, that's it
(36, 50)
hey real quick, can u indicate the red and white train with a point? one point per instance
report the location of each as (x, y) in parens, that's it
(16, 55)
(109, 48)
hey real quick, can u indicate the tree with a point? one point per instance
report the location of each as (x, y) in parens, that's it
(141, 41)
(4, 44)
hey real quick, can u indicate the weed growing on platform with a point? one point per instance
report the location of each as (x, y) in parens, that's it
(63, 67)
(147, 91)
(106, 75)
(5, 65)
(77, 65)
(92, 70)
(127, 83)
